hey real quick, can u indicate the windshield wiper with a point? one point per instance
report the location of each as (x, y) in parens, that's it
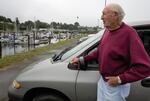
(57, 57)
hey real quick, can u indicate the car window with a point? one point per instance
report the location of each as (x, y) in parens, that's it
(92, 65)
(145, 37)
(81, 46)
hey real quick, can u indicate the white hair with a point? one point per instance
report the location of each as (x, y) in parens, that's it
(118, 9)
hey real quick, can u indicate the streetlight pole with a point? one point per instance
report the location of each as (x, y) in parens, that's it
(105, 2)
(77, 25)
(14, 38)
(52, 26)
(97, 24)
(35, 32)
(0, 48)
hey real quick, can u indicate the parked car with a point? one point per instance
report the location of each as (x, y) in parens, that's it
(58, 80)
(85, 38)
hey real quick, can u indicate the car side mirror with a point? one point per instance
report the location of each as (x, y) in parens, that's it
(145, 82)
(77, 66)
(73, 66)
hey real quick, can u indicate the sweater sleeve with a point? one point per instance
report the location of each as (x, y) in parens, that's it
(139, 61)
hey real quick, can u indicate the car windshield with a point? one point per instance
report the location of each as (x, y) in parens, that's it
(73, 50)
(58, 56)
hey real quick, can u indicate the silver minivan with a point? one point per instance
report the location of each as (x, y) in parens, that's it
(55, 79)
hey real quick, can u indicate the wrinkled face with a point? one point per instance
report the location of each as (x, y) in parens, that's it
(109, 18)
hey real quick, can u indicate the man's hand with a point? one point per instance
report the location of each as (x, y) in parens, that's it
(74, 63)
(75, 60)
(112, 81)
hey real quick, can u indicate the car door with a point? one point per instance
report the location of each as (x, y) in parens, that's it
(139, 92)
(86, 84)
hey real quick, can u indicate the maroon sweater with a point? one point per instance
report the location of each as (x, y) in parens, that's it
(121, 53)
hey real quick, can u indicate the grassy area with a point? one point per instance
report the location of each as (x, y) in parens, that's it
(9, 60)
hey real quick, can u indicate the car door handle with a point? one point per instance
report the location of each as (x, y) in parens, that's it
(145, 82)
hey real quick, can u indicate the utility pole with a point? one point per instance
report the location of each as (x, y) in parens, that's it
(14, 38)
(97, 24)
(78, 30)
(34, 34)
(28, 41)
(52, 26)
(52, 30)
(0, 48)
(105, 2)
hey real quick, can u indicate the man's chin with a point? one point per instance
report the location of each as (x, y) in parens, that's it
(106, 26)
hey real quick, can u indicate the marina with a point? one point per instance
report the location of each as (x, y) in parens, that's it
(14, 43)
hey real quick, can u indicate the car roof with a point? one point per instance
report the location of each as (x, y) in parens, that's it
(140, 24)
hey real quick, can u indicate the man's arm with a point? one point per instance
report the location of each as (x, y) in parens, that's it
(139, 61)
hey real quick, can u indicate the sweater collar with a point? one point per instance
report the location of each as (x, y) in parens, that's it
(122, 24)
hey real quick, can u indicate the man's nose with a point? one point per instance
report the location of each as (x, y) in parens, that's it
(102, 17)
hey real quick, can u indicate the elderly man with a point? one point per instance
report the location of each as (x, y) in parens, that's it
(121, 56)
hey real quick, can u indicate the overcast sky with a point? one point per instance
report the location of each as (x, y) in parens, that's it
(66, 11)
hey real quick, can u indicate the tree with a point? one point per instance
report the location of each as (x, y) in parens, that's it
(28, 25)
(5, 23)
(76, 24)
(2, 19)
(8, 20)
(17, 21)
(53, 25)
(17, 24)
